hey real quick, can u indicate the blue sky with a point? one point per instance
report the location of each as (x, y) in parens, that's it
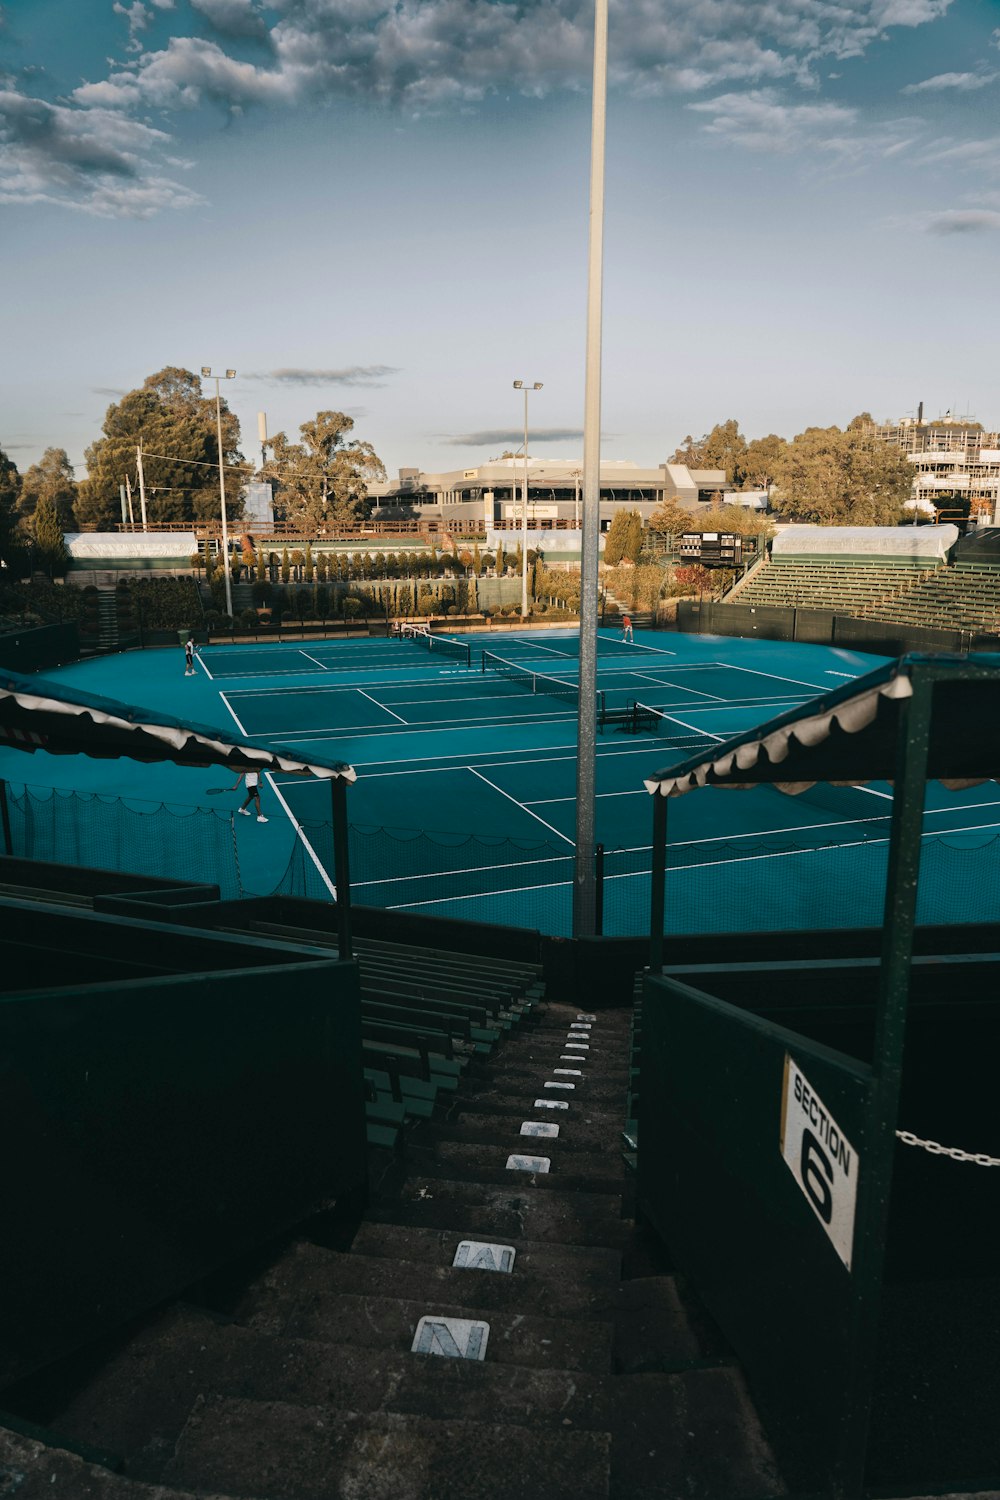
(380, 206)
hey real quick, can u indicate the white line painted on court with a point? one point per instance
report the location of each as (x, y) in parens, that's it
(239, 726)
(521, 805)
(198, 659)
(300, 833)
(382, 706)
(313, 658)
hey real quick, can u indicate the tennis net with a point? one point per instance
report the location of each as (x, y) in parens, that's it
(540, 682)
(444, 645)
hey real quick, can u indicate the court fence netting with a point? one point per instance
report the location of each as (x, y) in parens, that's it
(771, 883)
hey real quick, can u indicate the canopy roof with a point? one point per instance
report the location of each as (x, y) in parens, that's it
(850, 735)
(36, 714)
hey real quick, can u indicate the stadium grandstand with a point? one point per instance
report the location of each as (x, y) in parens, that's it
(310, 1198)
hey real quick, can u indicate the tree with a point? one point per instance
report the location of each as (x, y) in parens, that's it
(323, 480)
(840, 478)
(52, 477)
(48, 534)
(761, 462)
(177, 428)
(633, 537)
(10, 489)
(671, 519)
(722, 448)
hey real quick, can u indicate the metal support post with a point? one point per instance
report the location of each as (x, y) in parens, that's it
(341, 865)
(658, 883)
(8, 842)
(583, 878)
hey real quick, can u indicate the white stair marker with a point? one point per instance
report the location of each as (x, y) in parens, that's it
(580, 1046)
(569, 1072)
(476, 1255)
(571, 1057)
(551, 1085)
(579, 1026)
(551, 1104)
(455, 1338)
(517, 1163)
(586, 1018)
(538, 1127)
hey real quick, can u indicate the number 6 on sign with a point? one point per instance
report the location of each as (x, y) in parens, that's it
(820, 1158)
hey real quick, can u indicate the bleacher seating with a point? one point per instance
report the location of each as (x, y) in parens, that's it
(965, 596)
(841, 586)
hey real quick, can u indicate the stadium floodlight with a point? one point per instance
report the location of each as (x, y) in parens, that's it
(521, 385)
(206, 374)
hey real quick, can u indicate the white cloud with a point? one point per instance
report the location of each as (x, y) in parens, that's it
(236, 18)
(963, 82)
(760, 121)
(98, 160)
(421, 53)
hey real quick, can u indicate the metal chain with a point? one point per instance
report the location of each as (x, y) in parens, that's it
(934, 1148)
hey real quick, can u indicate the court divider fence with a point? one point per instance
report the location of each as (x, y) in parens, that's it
(740, 885)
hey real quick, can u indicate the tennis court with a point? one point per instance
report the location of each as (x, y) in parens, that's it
(465, 799)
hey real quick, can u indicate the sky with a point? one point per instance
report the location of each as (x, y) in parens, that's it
(381, 206)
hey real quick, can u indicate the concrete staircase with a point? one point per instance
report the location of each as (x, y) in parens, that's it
(579, 1368)
(107, 605)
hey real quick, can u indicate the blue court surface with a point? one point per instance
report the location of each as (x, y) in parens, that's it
(465, 799)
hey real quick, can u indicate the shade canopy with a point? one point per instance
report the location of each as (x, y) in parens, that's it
(36, 714)
(849, 736)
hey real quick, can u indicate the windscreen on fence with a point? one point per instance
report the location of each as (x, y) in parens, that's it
(771, 883)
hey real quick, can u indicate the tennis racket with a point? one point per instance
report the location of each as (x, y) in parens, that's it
(213, 791)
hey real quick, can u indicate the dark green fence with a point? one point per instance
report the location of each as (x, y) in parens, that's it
(171, 1099)
(772, 883)
(823, 628)
(31, 650)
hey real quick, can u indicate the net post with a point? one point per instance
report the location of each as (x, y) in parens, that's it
(599, 890)
(8, 843)
(341, 865)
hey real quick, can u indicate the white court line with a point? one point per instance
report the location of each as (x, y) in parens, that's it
(851, 676)
(300, 833)
(521, 805)
(313, 658)
(239, 726)
(775, 676)
(198, 659)
(381, 706)
(511, 864)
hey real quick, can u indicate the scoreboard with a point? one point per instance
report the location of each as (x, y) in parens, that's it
(713, 549)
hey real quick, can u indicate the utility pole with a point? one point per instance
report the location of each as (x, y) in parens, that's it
(142, 484)
(128, 492)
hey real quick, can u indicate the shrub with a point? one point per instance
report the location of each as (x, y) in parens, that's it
(248, 619)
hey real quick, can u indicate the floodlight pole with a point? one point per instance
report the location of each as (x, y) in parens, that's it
(520, 385)
(584, 879)
(206, 373)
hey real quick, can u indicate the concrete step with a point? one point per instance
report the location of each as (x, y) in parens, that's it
(377, 1322)
(659, 1327)
(287, 1452)
(486, 1212)
(138, 1403)
(499, 1103)
(271, 1303)
(592, 1265)
(505, 1130)
(31, 1471)
(483, 1163)
(694, 1435)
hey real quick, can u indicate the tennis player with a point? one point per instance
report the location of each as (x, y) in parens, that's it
(189, 656)
(252, 780)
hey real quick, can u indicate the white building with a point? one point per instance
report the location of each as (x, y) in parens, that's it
(956, 465)
(490, 494)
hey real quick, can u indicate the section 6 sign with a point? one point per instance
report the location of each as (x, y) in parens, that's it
(820, 1158)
